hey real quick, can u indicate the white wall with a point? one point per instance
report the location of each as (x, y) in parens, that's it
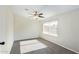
(26, 28)
(68, 31)
(10, 29)
(6, 29)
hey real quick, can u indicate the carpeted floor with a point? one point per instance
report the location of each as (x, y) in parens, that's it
(38, 46)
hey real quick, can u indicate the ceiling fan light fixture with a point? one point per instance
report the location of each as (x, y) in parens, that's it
(36, 17)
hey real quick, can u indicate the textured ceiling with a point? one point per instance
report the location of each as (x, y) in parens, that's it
(48, 10)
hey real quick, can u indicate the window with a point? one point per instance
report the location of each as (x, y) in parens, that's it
(50, 28)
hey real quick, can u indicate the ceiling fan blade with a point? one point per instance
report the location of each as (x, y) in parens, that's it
(26, 9)
(41, 16)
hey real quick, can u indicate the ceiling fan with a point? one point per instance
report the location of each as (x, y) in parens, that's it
(36, 14)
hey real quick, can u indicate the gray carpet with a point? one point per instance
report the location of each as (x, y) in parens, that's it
(51, 48)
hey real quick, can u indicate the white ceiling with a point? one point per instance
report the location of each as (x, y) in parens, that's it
(48, 10)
